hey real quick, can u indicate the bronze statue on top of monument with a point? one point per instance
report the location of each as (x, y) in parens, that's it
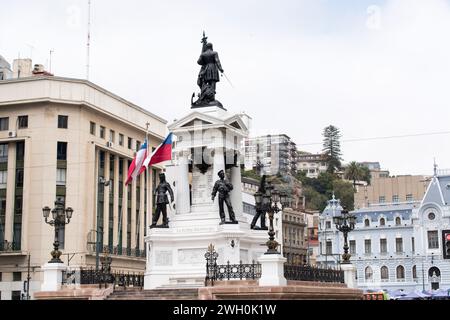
(208, 76)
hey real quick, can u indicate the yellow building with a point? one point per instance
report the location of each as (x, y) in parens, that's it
(62, 139)
(390, 189)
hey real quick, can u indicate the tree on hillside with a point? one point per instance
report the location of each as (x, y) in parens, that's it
(357, 172)
(332, 148)
(343, 190)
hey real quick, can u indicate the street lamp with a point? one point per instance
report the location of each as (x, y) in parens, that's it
(59, 215)
(269, 202)
(345, 223)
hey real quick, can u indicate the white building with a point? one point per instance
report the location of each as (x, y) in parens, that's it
(311, 164)
(395, 246)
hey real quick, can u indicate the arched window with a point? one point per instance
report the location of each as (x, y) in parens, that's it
(366, 222)
(414, 272)
(400, 272)
(382, 222)
(398, 221)
(368, 274)
(384, 273)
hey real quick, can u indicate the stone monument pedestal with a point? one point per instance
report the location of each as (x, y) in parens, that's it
(208, 140)
(52, 276)
(349, 274)
(272, 270)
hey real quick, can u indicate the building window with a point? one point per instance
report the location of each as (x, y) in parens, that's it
(399, 245)
(400, 273)
(328, 224)
(92, 128)
(112, 136)
(366, 222)
(352, 246)
(382, 199)
(367, 246)
(383, 246)
(395, 198)
(382, 222)
(120, 139)
(368, 273)
(398, 221)
(17, 276)
(409, 197)
(3, 153)
(22, 122)
(3, 179)
(60, 176)
(329, 248)
(102, 132)
(63, 122)
(433, 242)
(414, 272)
(138, 145)
(384, 273)
(130, 143)
(4, 124)
(15, 295)
(61, 151)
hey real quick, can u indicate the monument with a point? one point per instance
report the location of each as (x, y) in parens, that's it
(208, 143)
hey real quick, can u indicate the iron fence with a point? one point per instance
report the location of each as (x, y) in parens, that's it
(102, 278)
(312, 273)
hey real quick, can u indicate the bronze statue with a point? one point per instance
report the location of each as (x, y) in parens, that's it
(162, 201)
(260, 212)
(208, 76)
(224, 187)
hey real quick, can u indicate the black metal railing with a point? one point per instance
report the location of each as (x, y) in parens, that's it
(8, 246)
(119, 251)
(102, 278)
(228, 271)
(312, 273)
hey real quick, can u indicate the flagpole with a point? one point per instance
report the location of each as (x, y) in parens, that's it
(147, 182)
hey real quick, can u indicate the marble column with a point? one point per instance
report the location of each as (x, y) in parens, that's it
(236, 193)
(182, 184)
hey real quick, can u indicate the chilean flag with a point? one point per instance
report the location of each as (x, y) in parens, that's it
(137, 164)
(162, 153)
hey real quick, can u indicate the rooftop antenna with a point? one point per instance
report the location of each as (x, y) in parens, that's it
(18, 66)
(50, 62)
(435, 167)
(31, 51)
(88, 44)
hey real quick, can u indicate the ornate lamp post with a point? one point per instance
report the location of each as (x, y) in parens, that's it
(345, 223)
(59, 215)
(269, 202)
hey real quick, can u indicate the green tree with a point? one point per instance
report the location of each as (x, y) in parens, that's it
(357, 172)
(332, 148)
(343, 190)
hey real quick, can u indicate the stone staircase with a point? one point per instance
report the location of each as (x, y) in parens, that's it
(154, 294)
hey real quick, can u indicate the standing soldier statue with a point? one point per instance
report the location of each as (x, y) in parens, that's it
(223, 187)
(162, 201)
(260, 212)
(208, 75)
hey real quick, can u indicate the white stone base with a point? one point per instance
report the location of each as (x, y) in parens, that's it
(176, 255)
(52, 276)
(272, 270)
(349, 274)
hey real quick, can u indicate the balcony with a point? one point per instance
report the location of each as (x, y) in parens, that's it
(8, 247)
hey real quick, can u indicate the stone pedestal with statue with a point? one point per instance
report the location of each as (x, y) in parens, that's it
(208, 141)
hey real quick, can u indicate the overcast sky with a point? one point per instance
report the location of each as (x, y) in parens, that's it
(372, 68)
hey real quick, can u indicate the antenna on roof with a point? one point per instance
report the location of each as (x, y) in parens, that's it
(435, 167)
(50, 61)
(88, 44)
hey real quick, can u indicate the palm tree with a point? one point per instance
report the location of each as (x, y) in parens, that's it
(357, 172)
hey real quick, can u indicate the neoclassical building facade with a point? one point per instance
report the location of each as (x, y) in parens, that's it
(395, 246)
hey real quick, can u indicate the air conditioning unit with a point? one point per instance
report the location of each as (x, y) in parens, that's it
(109, 144)
(12, 134)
